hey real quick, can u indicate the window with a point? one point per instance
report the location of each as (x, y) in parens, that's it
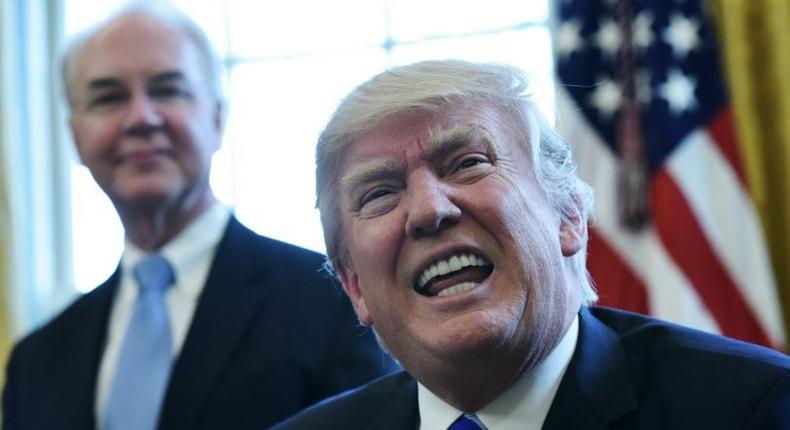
(288, 65)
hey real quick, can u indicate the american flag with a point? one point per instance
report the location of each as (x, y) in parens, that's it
(642, 100)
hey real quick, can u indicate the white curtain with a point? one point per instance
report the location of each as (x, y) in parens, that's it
(35, 270)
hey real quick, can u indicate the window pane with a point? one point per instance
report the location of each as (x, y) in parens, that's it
(418, 19)
(302, 26)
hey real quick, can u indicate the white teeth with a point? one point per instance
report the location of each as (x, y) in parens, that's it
(457, 289)
(452, 264)
(455, 263)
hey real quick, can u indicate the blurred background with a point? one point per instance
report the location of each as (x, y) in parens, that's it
(678, 111)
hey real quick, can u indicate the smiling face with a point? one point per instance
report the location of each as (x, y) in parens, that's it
(143, 117)
(453, 251)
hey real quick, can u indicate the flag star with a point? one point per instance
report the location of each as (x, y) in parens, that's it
(608, 38)
(678, 91)
(568, 38)
(607, 98)
(682, 35)
(643, 33)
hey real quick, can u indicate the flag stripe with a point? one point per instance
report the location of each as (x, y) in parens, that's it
(623, 288)
(723, 133)
(728, 218)
(683, 237)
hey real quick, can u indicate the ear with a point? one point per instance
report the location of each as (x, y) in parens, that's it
(219, 116)
(573, 235)
(350, 282)
(219, 121)
(76, 136)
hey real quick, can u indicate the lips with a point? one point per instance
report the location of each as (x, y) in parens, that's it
(145, 156)
(454, 274)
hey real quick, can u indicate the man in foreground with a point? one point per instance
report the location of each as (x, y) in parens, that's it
(205, 324)
(455, 220)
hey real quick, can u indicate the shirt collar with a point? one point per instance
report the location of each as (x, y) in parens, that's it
(522, 406)
(185, 250)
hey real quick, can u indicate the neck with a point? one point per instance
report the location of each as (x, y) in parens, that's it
(475, 380)
(473, 385)
(151, 227)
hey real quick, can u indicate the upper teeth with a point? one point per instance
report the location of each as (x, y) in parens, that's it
(453, 263)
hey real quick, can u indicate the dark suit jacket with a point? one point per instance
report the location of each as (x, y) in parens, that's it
(628, 372)
(270, 335)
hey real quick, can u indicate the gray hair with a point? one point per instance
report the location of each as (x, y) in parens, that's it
(160, 10)
(433, 86)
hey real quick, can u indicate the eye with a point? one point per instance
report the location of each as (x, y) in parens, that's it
(106, 99)
(373, 195)
(168, 92)
(377, 201)
(470, 161)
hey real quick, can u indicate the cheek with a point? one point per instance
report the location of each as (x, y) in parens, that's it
(375, 241)
(529, 236)
(93, 142)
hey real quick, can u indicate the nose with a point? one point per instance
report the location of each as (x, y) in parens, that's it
(430, 206)
(142, 116)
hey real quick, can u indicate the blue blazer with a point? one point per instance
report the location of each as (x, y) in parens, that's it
(271, 334)
(628, 372)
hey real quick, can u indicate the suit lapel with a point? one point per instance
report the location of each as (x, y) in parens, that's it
(80, 355)
(596, 390)
(401, 413)
(226, 306)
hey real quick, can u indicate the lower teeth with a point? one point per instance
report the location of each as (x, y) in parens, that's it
(457, 289)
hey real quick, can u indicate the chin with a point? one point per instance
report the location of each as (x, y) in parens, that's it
(475, 334)
(148, 197)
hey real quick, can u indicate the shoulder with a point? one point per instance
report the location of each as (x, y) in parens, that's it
(697, 377)
(251, 246)
(75, 320)
(647, 336)
(360, 407)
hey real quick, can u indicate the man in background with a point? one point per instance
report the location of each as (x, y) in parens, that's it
(455, 220)
(205, 324)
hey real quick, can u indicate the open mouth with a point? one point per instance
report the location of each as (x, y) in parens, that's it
(453, 275)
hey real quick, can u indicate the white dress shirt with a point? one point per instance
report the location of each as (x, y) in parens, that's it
(523, 406)
(191, 254)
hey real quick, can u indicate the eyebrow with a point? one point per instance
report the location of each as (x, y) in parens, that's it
(442, 143)
(102, 83)
(99, 84)
(170, 75)
(369, 172)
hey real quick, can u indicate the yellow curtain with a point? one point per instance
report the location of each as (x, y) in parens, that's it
(755, 40)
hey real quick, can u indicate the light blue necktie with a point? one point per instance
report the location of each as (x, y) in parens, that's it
(467, 422)
(146, 355)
